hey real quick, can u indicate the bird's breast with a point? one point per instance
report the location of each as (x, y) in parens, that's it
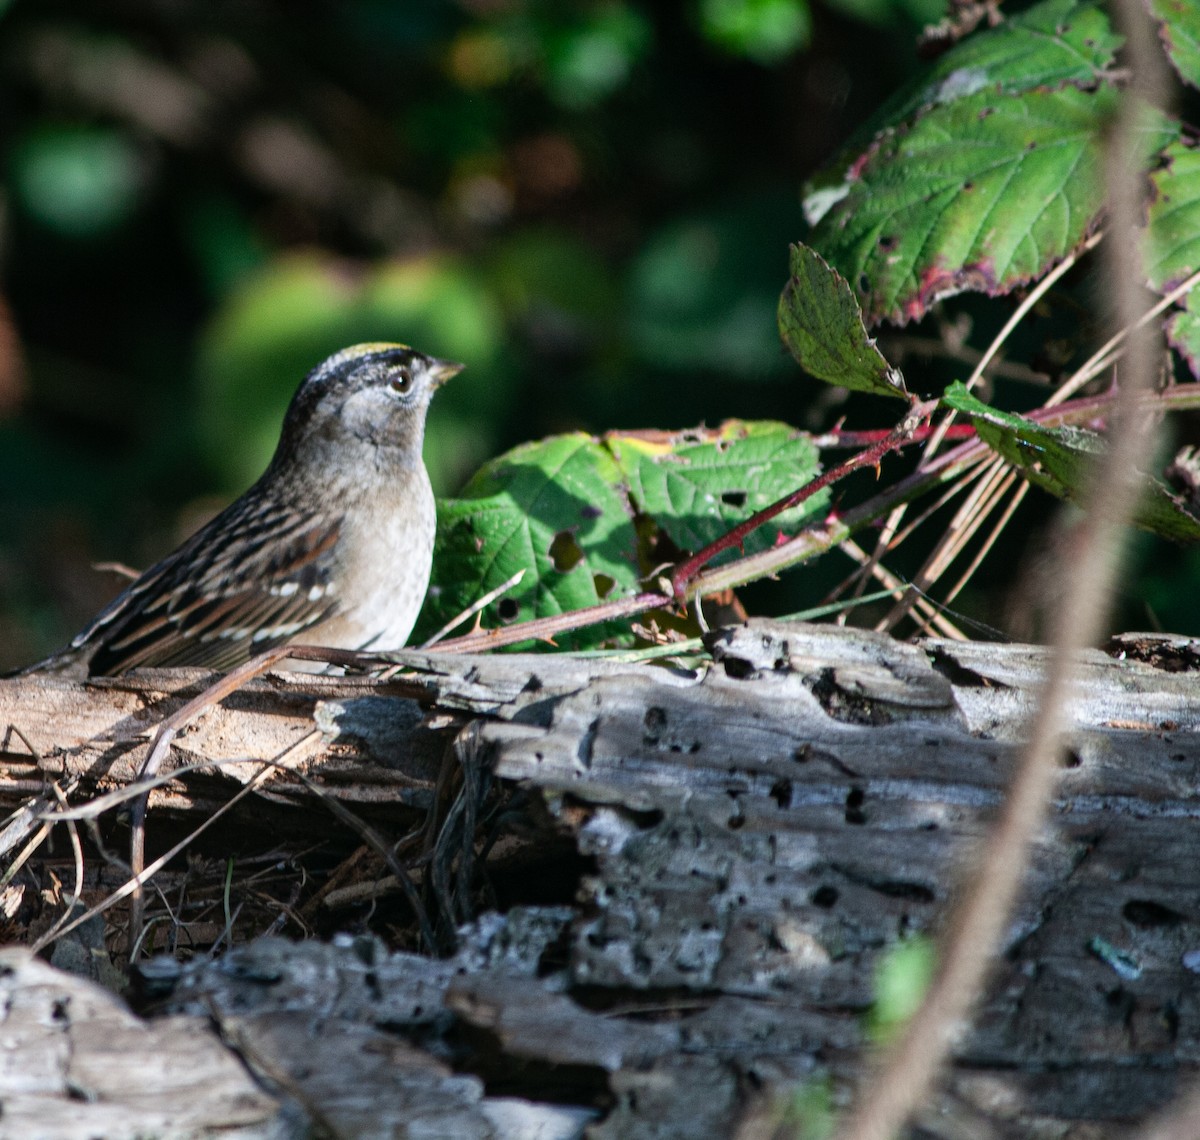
(383, 561)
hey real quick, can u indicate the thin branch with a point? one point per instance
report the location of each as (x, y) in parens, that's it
(1032, 298)
(686, 572)
(1104, 356)
(896, 588)
(967, 519)
(475, 607)
(545, 629)
(136, 881)
(1013, 503)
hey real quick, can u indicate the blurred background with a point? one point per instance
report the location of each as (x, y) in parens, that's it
(587, 202)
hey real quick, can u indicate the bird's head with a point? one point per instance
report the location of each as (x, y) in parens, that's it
(373, 395)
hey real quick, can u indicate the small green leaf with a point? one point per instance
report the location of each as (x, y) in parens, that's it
(763, 30)
(1180, 33)
(1061, 461)
(902, 977)
(822, 326)
(698, 485)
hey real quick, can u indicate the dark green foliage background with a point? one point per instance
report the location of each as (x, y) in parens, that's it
(588, 202)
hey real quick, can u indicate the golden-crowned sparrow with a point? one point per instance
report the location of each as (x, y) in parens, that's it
(332, 546)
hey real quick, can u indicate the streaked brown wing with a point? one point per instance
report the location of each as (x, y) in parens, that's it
(248, 581)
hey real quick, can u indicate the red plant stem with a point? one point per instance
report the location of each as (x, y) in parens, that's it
(870, 457)
(848, 439)
(1073, 411)
(544, 629)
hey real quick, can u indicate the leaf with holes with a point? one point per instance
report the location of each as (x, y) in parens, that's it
(1173, 218)
(1179, 29)
(983, 193)
(555, 509)
(1061, 460)
(822, 326)
(983, 174)
(568, 511)
(698, 485)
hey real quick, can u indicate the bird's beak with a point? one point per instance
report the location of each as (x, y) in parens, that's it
(443, 370)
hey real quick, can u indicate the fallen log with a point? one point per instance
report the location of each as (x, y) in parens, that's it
(748, 837)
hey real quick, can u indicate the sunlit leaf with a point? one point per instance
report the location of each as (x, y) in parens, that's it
(698, 485)
(822, 326)
(981, 175)
(1051, 44)
(555, 509)
(1062, 461)
(983, 193)
(569, 511)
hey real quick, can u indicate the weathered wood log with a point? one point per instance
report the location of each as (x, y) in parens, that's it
(757, 832)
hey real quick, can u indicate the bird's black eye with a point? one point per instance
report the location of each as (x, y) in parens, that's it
(401, 380)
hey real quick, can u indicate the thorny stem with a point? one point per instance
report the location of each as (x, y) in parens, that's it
(545, 629)
(686, 572)
(942, 469)
(848, 439)
(813, 540)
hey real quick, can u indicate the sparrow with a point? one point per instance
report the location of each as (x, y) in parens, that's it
(332, 546)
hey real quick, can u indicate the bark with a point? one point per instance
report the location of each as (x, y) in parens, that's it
(753, 836)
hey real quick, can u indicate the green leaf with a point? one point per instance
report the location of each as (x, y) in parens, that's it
(556, 510)
(983, 193)
(1180, 33)
(567, 512)
(1049, 46)
(763, 30)
(1173, 218)
(1173, 242)
(1061, 460)
(1183, 334)
(698, 485)
(903, 975)
(822, 326)
(981, 175)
